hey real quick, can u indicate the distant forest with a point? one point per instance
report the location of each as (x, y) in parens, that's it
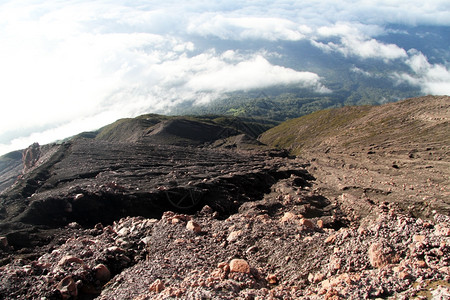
(283, 103)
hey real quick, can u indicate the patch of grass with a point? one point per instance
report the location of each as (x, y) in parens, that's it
(430, 287)
(400, 124)
(309, 130)
(123, 129)
(14, 155)
(131, 129)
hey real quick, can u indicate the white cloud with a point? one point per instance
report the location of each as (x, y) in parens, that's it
(92, 79)
(357, 70)
(431, 78)
(68, 66)
(250, 74)
(64, 130)
(371, 49)
(242, 28)
(353, 41)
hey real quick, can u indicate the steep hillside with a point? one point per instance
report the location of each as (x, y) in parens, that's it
(129, 129)
(10, 168)
(179, 130)
(397, 152)
(421, 121)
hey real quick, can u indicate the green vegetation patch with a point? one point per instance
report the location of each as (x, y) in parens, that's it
(310, 130)
(431, 285)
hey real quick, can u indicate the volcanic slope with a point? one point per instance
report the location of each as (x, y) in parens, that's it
(10, 167)
(142, 166)
(221, 216)
(397, 152)
(182, 131)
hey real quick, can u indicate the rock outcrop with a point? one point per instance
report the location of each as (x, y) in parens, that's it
(30, 156)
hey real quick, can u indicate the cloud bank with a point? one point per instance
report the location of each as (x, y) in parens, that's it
(431, 78)
(353, 41)
(70, 66)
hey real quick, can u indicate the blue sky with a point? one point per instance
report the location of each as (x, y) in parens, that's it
(72, 66)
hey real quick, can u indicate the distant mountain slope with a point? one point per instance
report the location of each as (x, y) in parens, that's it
(10, 168)
(128, 129)
(179, 130)
(423, 120)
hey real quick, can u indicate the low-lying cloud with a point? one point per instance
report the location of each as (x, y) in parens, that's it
(220, 76)
(352, 41)
(430, 78)
(72, 66)
(243, 28)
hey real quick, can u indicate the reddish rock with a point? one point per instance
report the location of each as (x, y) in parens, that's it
(234, 235)
(180, 241)
(102, 273)
(272, 279)
(332, 295)
(179, 218)
(194, 227)
(167, 215)
(30, 156)
(442, 230)
(157, 286)
(381, 254)
(330, 239)
(336, 264)
(418, 238)
(288, 216)
(307, 223)
(404, 275)
(421, 264)
(176, 220)
(239, 265)
(225, 267)
(67, 287)
(313, 278)
(115, 249)
(445, 270)
(70, 259)
(362, 230)
(320, 224)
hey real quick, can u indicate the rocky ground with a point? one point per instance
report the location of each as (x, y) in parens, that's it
(418, 180)
(292, 243)
(398, 152)
(97, 181)
(96, 219)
